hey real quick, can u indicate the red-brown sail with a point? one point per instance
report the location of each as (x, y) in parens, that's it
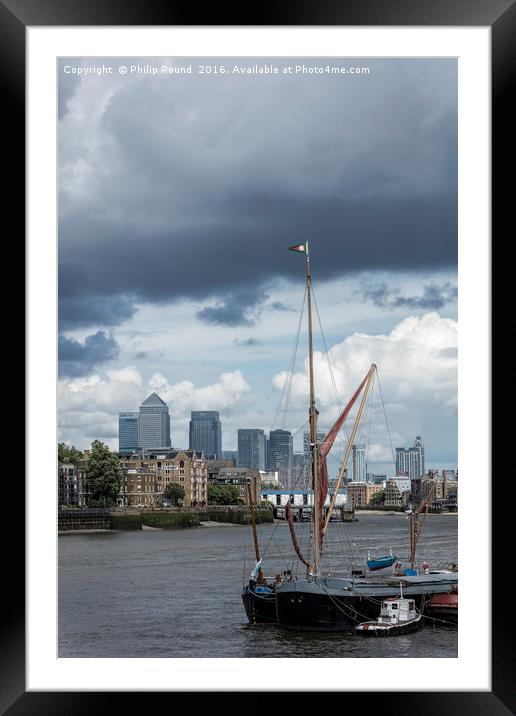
(322, 471)
(325, 448)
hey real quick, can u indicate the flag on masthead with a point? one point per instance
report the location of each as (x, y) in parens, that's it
(303, 248)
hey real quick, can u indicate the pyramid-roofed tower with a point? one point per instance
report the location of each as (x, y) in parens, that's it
(154, 400)
(154, 423)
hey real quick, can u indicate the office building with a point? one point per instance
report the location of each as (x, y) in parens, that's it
(358, 462)
(128, 432)
(206, 433)
(279, 455)
(154, 423)
(251, 448)
(411, 461)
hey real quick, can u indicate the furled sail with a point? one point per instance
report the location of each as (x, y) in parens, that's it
(325, 448)
(322, 470)
(290, 520)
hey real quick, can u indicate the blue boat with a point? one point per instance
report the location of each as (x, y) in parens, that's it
(381, 562)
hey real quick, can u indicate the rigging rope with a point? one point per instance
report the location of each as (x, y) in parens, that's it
(288, 377)
(386, 419)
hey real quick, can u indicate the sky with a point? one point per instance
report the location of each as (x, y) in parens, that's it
(179, 195)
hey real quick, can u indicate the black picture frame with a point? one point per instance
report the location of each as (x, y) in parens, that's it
(500, 16)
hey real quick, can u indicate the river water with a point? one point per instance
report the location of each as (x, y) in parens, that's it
(176, 593)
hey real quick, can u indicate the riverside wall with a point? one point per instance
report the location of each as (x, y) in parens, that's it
(90, 519)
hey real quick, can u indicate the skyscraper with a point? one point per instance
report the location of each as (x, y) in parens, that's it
(154, 423)
(279, 454)
(251, 448)
(206, 433)
(359, 466)
(411, 461)
(128, 432)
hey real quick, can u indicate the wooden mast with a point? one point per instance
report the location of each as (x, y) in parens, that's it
(313, 426)
(253, 523)
(414, 525)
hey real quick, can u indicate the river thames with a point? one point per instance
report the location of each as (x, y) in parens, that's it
(177, 593)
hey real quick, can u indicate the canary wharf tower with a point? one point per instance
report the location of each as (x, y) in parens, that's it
(154, 423)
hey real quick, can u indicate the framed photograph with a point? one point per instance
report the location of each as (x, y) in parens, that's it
(170, 168)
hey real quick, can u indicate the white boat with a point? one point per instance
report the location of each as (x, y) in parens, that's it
(397, 616)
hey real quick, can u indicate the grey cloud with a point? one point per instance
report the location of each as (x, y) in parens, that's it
(280, 306)
(140, 355)
(89, 310)
(234, 310)
(434, 297)
(78, 359)
(247, 342)
(196, 193)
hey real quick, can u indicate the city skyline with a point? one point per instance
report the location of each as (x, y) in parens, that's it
(182, 283)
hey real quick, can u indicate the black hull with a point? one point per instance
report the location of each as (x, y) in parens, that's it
(324, 612)
(311, 612)
(260, 609)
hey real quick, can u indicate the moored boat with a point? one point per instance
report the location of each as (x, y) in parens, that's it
(319, 603)
(397, 616)
(444, 608)
(375, 563)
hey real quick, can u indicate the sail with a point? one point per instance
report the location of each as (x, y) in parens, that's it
(325, 448)
(322, 471)
(293, 534)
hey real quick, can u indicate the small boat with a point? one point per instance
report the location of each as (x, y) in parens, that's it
(397, 616)
(444, 608)
(380, 562)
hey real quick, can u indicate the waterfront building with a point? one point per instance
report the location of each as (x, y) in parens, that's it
(445, 496)
(139, 488)
(411, 461)
(251, 448)
(187, 468)
(128, 432)
(269, 478)
(206, 433)
(67, 484)
(397, 492)
(360, 493)
(358, 462)
(154, 423)
(215, 465)
(377, 479)
(279, 455)
(300, 498)
(239, 477)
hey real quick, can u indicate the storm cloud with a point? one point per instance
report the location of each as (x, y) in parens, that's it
(188, 187)
(434, 296)
(78, 359)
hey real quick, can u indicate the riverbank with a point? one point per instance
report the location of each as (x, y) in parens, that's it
(92, 520)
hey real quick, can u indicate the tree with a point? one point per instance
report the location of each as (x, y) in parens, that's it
(67, 453)
(224, 495)
(174, 493)
(103, 475)
(377, 498)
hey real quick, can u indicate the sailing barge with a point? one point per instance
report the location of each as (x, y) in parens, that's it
(326, 603)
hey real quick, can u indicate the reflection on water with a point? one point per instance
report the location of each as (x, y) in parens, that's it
(177, 593)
